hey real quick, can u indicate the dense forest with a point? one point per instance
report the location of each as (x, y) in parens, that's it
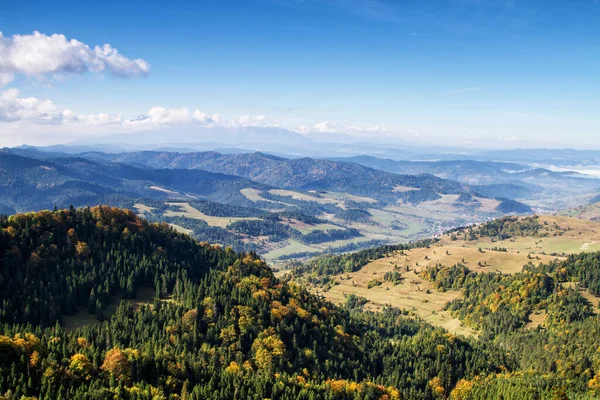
(559, 353)
(220, 325)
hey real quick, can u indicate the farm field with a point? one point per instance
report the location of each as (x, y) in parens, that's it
(347, 196)
(307, 228)
(431, 212)
(142, 208)
(302, 196)
(190, 212)
(292, 246)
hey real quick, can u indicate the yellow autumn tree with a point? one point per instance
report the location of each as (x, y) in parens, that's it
(268, 349)
(82, 249)
(228, 335)
(189, 319)
(462, 390)
(436, 385)
(80, 366)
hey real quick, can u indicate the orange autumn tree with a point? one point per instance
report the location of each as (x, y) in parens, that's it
(117, 364)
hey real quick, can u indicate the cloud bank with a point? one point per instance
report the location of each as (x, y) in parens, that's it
(41, 119)
(38, 55)
(34, 111)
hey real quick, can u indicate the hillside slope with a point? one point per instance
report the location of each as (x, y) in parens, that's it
(32, 184)
(514, 180)
(304, 174)
(220, 326)
(526, 284)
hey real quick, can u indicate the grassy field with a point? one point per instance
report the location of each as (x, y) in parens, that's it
(419, 296)
(188, 211)
(431, 212)
(381, 224)
(253, 195)
(83, 318)
(181, 229)
(336, 198)
(347, 196)
(171, 193)
(413, 294)
(589, 212)
(578, 235)
(142, 208)
(594, 301)
(384, 217)
(306, 228)
(416, 294)
(487, 205)
(292, 246)
(476, 260)
(445, 204)
(301, 196)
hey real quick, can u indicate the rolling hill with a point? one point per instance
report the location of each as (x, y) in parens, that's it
(211, 324)
(113, 306)
(306, 174)
(297, 208)
(31, 184)
(498, 179)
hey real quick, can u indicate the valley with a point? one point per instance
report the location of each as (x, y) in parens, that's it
(384, 256)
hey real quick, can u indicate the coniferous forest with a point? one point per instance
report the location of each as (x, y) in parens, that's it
(222, 326)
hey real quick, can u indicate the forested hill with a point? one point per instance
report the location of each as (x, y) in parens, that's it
(303, 173)
(221, 325)
(28, 183)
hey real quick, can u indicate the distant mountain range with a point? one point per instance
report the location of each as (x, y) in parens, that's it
(34, 179)
(462, 170)
(301, 174)
(30, 183)
(496, 179)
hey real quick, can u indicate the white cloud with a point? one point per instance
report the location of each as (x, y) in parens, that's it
(45, 117)
(251, 121)
(157, 116)
(506, 138)
(13, 108)
(6, 78)
(39, 54)
(32, 110)
(334, 127)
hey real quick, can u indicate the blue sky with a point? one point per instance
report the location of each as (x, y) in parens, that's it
(520, 72)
